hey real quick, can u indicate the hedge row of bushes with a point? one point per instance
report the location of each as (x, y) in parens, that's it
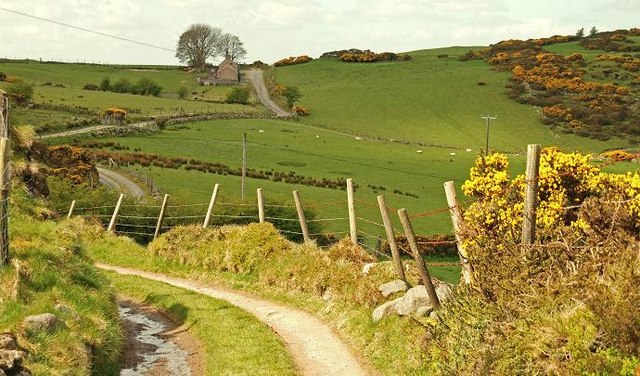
(293, 60)
(144, 86)
(372, 57)
(146, 160)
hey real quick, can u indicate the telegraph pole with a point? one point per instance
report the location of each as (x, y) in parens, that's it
(488, 118)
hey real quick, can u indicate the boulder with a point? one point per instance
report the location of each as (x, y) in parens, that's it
(8, 341)
(415, 298)
(46, 322)
(392, 287)
(10, 360)
(384, 310)
(415, 301)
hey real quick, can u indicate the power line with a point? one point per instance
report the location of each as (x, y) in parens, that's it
(87, 30)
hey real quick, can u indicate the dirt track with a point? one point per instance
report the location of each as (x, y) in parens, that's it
(315, 349)
(255, 76)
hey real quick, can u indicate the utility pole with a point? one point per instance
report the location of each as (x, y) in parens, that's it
(488, 118)
(244, 163)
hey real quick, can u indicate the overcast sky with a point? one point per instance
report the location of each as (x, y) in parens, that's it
(273, 29)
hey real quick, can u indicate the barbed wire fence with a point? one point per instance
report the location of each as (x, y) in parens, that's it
(378, 238)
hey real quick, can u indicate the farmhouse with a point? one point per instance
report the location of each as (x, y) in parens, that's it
(224, 74)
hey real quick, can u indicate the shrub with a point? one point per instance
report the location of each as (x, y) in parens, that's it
(300, 110)
(122, 86)
(183, 92)
(567, 303)
(20, 92)
(291, 94)
(91, 87)
(105, 84)
(239, 94)
(293, 60)
(3, 76)
(146, 86)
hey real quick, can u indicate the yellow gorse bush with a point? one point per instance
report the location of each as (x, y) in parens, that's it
(565, 181)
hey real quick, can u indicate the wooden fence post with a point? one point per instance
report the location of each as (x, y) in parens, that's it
(531, 194)
(4, 115)
(388, 227)
(353, 232)
(302, 217)
(163, 209)
(422, 267)
(5, 183)
(456, 219)
(114, 217)
(260, 205)
(71, 209)
(214, 195)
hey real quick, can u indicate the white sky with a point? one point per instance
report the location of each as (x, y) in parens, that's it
(273, 29)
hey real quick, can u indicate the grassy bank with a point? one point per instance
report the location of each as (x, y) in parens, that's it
(49, 273)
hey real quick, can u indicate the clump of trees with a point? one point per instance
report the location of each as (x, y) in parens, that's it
(144, 86)
(201, 42)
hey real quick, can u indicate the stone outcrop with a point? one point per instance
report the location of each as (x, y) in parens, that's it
(11, 357)
(394, 286)
(415, 301)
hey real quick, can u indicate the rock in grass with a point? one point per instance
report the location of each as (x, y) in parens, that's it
(415, 301)
(392, 287)
(8, 341)
(11, 360)
(46, 322)
(384, 310)
(367, 267)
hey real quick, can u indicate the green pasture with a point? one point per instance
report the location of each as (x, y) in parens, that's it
(433, 100)
(312, 152)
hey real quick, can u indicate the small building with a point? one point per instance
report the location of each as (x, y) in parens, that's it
(226, 73)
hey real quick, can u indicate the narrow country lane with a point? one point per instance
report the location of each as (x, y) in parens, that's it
(255, 76)
(119, 182)
(314, 347)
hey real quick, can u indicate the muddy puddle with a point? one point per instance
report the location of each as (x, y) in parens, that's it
(151, 349)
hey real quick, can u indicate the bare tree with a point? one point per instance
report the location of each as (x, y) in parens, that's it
(231, 45)
(197, 44)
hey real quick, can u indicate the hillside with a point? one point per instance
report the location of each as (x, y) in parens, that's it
(432, 99)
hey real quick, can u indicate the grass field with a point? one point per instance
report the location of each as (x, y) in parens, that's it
(318, 153)
(429, 99)
(65, 83)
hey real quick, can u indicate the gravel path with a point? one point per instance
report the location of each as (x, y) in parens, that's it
(314, 347)
(255, 76)
(119, 182)
(91, 129)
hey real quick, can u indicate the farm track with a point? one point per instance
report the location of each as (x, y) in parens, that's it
(255, 76)
(315, 349)
(119, 182)
(91, 129)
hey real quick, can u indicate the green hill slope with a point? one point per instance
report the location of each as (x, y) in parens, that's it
(433, 99)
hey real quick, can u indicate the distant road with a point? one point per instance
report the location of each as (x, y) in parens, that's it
(92, 129)
(119, 182)
(255, 76)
